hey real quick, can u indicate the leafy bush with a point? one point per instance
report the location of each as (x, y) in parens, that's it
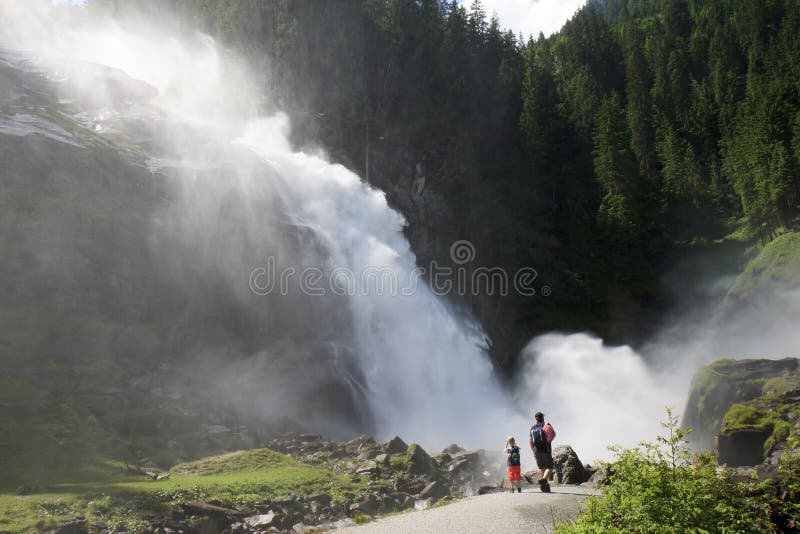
(662, 487)
(782, 502)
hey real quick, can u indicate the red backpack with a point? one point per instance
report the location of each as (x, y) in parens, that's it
(549, 432)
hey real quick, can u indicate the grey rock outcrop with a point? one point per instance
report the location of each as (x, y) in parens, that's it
(420, 462)
(396, 446)
(742, 447)
(568, 467)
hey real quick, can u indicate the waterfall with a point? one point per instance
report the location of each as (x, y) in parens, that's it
(426, 374)
(240, 197)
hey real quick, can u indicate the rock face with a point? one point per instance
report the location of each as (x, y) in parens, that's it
(568, 467)
(742, 447)
(720, 385)
(99, 221)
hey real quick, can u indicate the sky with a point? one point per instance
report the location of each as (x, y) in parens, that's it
(530, 17)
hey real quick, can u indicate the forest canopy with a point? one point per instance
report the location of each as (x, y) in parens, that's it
(595, 155)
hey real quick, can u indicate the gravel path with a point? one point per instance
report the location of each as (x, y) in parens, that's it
(530, 511)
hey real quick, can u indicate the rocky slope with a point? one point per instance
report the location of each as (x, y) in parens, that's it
(246, 491)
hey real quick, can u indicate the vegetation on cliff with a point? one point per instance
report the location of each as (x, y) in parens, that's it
(662, 486)
(774, 269)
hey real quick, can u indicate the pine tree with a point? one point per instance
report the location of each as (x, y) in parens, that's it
(615, 169)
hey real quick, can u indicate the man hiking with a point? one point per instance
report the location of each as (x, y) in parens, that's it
(541, 435)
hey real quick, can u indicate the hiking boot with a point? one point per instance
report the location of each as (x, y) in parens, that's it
(519, 490)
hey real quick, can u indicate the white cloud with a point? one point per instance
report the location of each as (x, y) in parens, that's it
(532, 16)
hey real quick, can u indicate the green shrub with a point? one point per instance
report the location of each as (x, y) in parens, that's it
(783, 505)
(661, 487)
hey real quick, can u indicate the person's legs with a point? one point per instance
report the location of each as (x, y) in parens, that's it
(515, 478)
(547, 471)
(542, 464)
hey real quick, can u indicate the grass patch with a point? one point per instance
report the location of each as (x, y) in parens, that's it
(747, 417)
(256, 459)
(398, 462)
(117, 498)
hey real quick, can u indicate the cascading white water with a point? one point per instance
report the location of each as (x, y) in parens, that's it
(596, 395)
(425, 375)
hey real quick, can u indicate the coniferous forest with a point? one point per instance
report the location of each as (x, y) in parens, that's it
(643, 130)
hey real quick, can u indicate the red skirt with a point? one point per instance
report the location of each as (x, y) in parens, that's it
(514, 473)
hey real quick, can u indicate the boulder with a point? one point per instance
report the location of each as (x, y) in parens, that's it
(743, 447)
(260, 520)
(208, 526)
(382, 459)
(568, 467)
(598, 477)
(337, 454)
(412, 487)
(396, 446)
(443, 459)
(434, 490)
(419, 462)
(76, 525)
(465, 461)
(368, 468)
(453, 449)
(367, 506)
(359, 443)
(322, 498)
(405, 500)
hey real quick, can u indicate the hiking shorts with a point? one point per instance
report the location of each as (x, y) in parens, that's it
(544, 460)
(514, 473)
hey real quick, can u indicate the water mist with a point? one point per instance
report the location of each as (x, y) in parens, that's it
(419, 369)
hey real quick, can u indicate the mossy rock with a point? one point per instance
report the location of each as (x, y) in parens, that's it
(776, 268)
(717, 387)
